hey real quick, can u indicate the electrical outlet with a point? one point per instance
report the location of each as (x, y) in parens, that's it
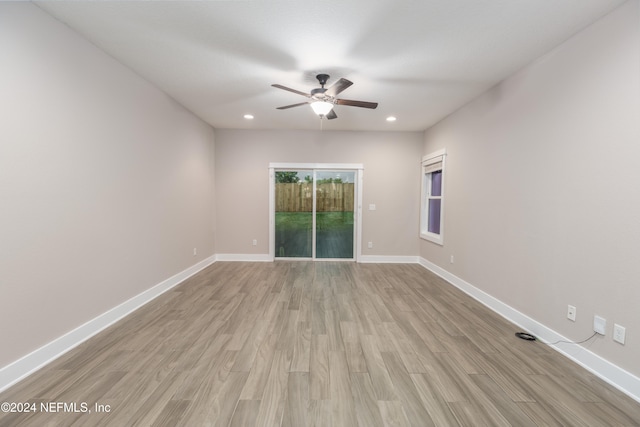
(618, 333)
(451, 260)
(370, 245)
(599, 325)
(195, 251)
(571, 313)
(255, 242)
(372, 207)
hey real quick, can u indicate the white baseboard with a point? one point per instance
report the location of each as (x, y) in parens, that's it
(363, 258)
(612, 374)
(388, 259)
(244, 257)
(35, 360)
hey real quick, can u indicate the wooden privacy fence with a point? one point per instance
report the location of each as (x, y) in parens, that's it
(330, 197)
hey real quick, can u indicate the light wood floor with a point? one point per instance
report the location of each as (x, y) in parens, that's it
(318, 344)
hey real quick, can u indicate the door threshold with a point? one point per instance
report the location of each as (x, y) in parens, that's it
(314, 259)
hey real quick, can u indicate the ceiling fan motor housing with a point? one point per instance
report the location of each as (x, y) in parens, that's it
(317, 92)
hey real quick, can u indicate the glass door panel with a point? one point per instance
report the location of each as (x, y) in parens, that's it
(334, 213)
(294, 214)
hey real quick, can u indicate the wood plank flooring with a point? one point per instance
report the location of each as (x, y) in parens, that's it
(298, 344)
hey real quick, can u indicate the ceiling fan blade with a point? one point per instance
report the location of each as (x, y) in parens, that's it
(362, 104)
(291, 90)
(292, 105)
(331, 115)
(338, 87)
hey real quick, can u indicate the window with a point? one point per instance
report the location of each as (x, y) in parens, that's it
(432, 203)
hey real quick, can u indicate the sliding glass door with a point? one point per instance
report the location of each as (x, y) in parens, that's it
(294, 214)
(334, 214)
(314, 213)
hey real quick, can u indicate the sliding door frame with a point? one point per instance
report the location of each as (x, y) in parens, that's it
(358, 168)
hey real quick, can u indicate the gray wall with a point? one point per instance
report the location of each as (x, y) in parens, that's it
(105, 183)
(391, 181)
(542, 199)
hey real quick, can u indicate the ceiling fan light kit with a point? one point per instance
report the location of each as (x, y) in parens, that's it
(323, 99)
(321, 108)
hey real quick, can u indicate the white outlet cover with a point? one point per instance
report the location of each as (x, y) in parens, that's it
(599, 325)
(619, 333)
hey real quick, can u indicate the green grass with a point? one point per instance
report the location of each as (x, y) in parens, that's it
(298, 221)
(334, 233)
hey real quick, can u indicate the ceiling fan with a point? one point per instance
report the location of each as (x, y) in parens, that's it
(323, 99)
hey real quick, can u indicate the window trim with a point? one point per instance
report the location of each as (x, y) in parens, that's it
(427, 162)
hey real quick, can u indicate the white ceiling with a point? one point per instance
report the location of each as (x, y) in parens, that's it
(420, 60)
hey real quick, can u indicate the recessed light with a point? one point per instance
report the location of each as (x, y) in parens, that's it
(248, 116)
(391, 119)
